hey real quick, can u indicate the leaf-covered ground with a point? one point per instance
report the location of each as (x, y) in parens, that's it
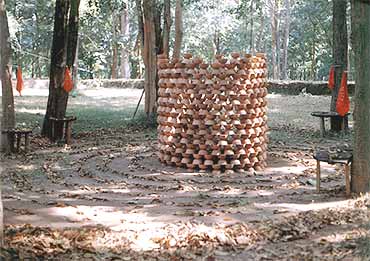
(108, 198)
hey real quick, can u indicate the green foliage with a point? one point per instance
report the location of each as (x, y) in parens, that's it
(230, 22)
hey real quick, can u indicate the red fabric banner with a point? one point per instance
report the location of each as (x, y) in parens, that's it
(68, 82)
(343, 103)
(331, 82)
(19, 86)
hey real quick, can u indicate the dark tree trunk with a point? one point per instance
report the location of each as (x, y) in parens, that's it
(361, 46)
(167, 22)
(340, 49)
(158, 29)
(72, 48)
(8, 114)
(139, 11)
(150, 57)
(114, 74)
(58, 97)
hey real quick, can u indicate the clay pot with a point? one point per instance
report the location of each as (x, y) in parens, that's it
(188, 55)
(235, 55)
(204, 65)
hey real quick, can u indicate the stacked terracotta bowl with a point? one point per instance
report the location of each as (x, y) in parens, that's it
(213, 116)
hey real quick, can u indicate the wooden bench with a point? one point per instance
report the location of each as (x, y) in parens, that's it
(342, 157)
(66, 125)
(322, 115)
(15, 138)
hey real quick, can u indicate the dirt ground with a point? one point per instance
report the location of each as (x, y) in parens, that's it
(107, 197)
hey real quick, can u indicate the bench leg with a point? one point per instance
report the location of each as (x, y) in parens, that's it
(318, 176)
(19, 137)
(11, 140)
(68, 134)
(26, 142)
(322, 127)
(52, 131)
(348, 184)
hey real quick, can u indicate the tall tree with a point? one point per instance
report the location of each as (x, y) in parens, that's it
(8, 113)
(361, 45)
(284, 56)
(274, 6)
(73, 39)
(58, 97)
(114, 73)
(340, 49)
(150, 57)
(167, 22)
(178, 29)
(251, 31)
(125, 31)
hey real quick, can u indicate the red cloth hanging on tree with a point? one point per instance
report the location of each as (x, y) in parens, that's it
(331, 82)
(343, 103)
(68, 82)
(19, 86)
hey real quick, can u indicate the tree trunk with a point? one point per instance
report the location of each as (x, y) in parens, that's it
(58, 97)
(251, 36)
(274, 40)
(167, 22)
(150, 57)
(261, 33)
(158, 29)
(139, 11)
(360, 181)
(8, 114)
(1, 217)
(73, 40)
(125, 33)
(216, 44)
(114, 74)
(284, 68)
(340, 49)
(178, 29)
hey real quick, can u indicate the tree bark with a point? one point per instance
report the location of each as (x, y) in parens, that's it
(284, 68)
(251, 36)
(8, 113)
(114, 70)
(73, 40)
(274, 38)
(167, 22)
(140, 21)
(1, 217)
(158, 28)
(150, 57)
(340, 49)
(178, 29)
(125, 33)
(360, 181)
(58, 97)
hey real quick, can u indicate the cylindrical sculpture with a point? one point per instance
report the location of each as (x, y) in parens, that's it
(213, 117)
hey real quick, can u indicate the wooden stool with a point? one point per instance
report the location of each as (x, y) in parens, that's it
(322, 115)
(67, 127)
(343, 158)
(15, 137)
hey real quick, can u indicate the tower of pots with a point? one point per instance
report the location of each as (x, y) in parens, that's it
(213, 116)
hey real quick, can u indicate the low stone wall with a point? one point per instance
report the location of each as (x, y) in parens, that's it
(94, 83)
(297, 87)
(283, 87)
